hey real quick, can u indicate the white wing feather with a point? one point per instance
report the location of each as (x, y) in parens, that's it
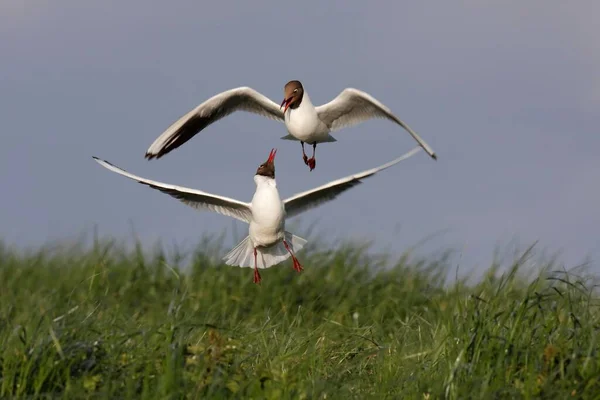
(212, 110)
(301, 202)
(353, 106)
(191, 197)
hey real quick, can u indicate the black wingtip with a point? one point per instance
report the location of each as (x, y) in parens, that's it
(102, 161)
(150, 156)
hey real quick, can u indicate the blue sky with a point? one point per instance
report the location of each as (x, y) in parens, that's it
(507, 94)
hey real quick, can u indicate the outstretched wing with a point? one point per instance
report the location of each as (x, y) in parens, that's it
(353, 106)
(212, 110)
(301, 202)
(193, 198)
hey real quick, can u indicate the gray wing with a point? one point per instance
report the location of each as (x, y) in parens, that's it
(353, 106)
(193, 198)
(301, 202)
(212, 110)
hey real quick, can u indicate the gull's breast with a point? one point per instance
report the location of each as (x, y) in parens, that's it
(304, 123)
(268, 218)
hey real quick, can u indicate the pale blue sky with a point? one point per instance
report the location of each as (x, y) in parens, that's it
(507, 94)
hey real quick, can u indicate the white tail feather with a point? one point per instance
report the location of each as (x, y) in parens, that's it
(242, 255)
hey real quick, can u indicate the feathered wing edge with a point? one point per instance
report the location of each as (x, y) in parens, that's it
(210, 111)
(312, 198)
(194, 198)
(353, 106)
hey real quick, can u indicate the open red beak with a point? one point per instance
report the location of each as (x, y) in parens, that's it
(287, 103)
(272, 156)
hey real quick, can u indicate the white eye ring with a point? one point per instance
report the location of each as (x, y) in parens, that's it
(295, 90)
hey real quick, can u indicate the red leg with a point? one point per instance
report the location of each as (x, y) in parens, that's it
(297, 265)
(311, 162)
(304, 157)
(256, 274)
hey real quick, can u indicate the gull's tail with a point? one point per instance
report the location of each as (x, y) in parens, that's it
(242, 255)
(327, 140)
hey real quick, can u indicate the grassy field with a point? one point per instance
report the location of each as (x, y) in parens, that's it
(106, 323)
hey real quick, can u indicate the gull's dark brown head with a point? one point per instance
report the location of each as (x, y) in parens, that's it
(268, 167)
(292, 95)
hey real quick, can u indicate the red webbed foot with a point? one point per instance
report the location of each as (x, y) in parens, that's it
(297, 266)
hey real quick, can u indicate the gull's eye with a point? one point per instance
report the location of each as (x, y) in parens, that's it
(295, 90)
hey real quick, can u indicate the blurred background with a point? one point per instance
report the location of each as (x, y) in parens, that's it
(507, 94)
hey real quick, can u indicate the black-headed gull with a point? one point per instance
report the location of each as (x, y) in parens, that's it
(304, 122)
(267, 243)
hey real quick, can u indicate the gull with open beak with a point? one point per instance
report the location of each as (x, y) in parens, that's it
(267, 243)
(304, 122)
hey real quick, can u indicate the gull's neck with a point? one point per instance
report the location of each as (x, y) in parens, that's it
(264, 181)
(306, 103)
(304, 112)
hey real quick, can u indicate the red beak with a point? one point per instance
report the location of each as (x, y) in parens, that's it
(272, 156)
(286, 102)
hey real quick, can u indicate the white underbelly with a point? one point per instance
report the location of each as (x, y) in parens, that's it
(268, 218)
(266, 234)
(305, 127)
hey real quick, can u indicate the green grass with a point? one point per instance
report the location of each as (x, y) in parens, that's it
(106, 323)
